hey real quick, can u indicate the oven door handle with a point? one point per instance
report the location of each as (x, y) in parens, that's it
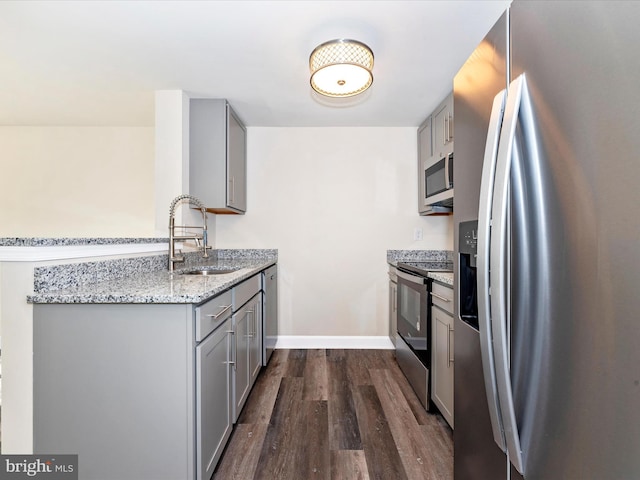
(421, 281)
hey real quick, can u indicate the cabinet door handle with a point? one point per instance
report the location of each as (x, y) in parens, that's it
(232, 196)
(444, 128)
(234, 349)
(251, 325)
(449, 359)
(450, 127)
(216, 315)
(444, 299)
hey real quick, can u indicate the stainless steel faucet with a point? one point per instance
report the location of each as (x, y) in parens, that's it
(200, 239)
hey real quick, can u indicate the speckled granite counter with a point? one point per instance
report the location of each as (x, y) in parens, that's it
(437, 260)
(60, 242)
(394, 256)
(442, 277)
(146, 280)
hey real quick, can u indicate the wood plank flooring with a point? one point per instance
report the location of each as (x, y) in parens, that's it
(336, 415)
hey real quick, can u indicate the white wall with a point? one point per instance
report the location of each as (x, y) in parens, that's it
(76, 181)
(332, 201)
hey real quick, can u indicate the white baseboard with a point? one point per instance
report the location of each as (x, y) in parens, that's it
(312, 341)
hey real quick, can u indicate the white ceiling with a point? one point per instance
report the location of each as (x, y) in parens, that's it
(99, 62)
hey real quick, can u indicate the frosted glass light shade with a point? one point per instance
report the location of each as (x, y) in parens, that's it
(341, 68)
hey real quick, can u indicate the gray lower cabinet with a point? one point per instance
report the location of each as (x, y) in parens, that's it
(393, 304)
(248, 350)
(442, 350)
(214, 398)
(116, 385)
(269, 312)
(145, 391)
(255, 338)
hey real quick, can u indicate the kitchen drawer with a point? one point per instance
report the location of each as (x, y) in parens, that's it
(242, 293)
(442, 296)
(212, 314)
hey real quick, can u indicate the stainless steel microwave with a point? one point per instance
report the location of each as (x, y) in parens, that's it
(437, 176)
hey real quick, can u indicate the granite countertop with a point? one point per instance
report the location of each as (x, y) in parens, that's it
(160, 286)
(428, 259)
(442, 277)
(63, 242)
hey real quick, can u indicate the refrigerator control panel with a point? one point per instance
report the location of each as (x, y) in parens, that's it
(468, 242)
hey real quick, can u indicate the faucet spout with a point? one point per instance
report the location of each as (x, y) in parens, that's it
(201, 239)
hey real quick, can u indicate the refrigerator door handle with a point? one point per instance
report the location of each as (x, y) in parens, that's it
(498, 275)
(484, 311)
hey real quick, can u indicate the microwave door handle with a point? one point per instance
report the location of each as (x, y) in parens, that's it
(446, 172)
(484, 312)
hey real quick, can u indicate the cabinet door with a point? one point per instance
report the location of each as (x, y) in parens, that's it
(270, 313)
(217, 156)
(236, 162)
(425, 148)
(213, 399)
(443, 128)
(442, 363)
(255, 338)
(393, 311)
(425, 151)
(241, 365)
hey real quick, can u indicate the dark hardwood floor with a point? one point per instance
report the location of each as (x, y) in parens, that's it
(336, 415)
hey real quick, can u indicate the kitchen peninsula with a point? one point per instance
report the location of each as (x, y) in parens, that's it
(120, 348)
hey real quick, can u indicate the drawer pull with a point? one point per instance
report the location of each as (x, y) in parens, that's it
(216, 315)
(444, 299)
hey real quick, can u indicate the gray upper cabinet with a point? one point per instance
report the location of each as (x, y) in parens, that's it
(217, 156)
(435, 141)
(425, 151)
(443, 128)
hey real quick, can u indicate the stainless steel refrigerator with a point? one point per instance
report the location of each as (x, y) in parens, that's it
(547, 235)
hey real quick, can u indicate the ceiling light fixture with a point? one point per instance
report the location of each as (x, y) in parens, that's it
(341, 68)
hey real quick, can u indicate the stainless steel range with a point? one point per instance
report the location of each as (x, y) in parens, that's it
(413, 345)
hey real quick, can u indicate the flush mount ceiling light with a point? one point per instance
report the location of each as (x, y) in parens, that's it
(341, 68)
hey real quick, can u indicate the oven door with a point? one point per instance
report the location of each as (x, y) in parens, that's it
(412, 314)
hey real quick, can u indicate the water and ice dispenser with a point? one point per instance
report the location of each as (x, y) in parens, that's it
(468, 288)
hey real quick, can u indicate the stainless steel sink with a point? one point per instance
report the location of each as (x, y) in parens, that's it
(209, 271)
